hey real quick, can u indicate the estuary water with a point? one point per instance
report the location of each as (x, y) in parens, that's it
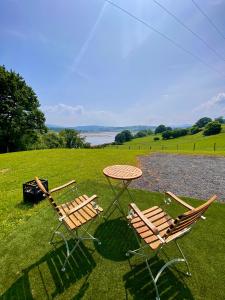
(98, 138)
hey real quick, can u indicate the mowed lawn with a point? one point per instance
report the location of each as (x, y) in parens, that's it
(194, 144)
(30, 268)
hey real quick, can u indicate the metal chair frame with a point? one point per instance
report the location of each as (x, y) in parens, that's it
(140, 251)
(74, 233)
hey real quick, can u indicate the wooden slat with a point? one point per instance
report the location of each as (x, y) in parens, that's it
(162, 230)
(182, 202)
(73, 217)
(156, 220)
(90, 206)
(82, 204)
(147, 214)
(62, 186)
(82, 212)
(71, 223)
(88, 209)
(145, 220)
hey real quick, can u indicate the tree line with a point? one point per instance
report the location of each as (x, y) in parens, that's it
(205, 125)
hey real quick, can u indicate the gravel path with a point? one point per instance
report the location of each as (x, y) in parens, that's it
(186, 175)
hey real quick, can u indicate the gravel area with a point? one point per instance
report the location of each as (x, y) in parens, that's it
(185, 175)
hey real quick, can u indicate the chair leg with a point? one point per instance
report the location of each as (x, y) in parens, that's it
(188, 273)
(54, 232)
(79, 239)
(68, 255)
(153, 279)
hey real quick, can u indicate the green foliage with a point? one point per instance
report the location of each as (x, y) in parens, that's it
(73, 139)
(159, 129)
(156, 138)
(212, 128)
(203, 121)
(194, 129)
(221, 120)
(20, 117)
(123, 136)
(172, 134)
(167, 134)
(53, 140)
(140, 134)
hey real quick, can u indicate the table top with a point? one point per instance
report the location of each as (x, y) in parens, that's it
(123, 172)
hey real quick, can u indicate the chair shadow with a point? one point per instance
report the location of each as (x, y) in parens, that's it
(116, 239)
(170, 284)
(80, 264)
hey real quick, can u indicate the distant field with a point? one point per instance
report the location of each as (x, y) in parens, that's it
(196, 143)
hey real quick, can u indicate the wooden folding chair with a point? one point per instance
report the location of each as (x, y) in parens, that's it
(156, 229)
(74, 215)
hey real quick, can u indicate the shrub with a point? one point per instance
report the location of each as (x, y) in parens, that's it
(194, 129)
(124, 136)
(221, 120)
(203, 122)
(161, 128)
(141, 133)
(178, 132)
(156, 138)
(168, 134)
(212, 128)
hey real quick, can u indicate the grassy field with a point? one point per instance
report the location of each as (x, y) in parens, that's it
(197, 143)
(30, 267)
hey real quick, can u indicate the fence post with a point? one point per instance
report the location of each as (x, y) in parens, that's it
(194, 147)
(214, 147)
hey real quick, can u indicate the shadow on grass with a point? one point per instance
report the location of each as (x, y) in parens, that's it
(46, 276)
(170, 284)
(24, 205)
(116, 239)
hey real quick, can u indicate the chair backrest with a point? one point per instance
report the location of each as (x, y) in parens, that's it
(48, 195)
(188, 219)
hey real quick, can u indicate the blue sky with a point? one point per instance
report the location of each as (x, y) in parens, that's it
(90, 63)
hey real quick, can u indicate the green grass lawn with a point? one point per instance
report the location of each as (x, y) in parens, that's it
(193, 144)
(30, 267)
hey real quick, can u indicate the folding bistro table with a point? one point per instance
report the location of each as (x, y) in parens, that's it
(125, 174)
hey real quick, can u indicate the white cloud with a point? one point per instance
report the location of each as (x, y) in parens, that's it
(67, 115)
(63, 108)
(214, 105)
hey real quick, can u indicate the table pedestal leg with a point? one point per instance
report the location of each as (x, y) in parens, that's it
(116, 199)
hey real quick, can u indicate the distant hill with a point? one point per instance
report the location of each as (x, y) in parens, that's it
(98, 128)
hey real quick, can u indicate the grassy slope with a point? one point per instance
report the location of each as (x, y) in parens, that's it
(30, 269)
(185, 144)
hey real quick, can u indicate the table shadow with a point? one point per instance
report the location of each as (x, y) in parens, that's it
(116, 239)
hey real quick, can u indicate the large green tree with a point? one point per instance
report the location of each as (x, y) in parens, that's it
(20, 117)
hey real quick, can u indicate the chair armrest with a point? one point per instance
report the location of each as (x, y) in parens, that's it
(182, 202)
(62, 186)
(151, 226)
(78, 207)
